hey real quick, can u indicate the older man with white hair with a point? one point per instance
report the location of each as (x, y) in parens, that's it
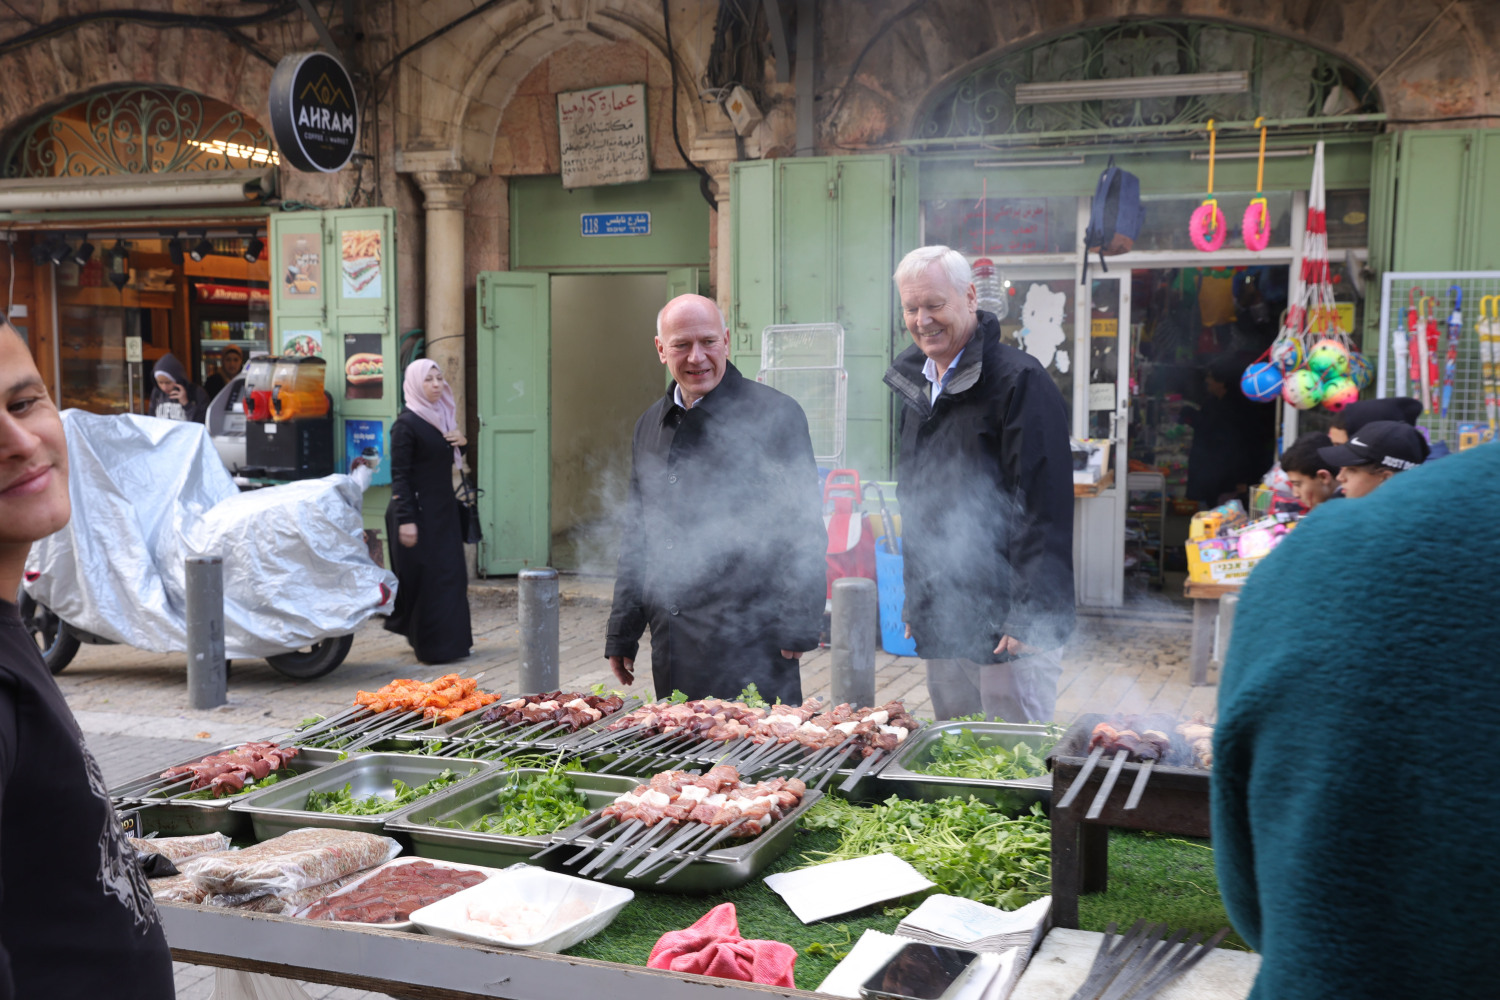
(722, 555)
(986, 491)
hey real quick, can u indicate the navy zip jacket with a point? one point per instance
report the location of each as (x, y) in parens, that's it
(1355, 805)
(986, 489)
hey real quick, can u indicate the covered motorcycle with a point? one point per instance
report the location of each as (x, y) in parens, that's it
(147, 495)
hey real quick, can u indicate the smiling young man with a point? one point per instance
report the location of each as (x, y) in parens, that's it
(76, 915)
(722, 555)
(986, 491)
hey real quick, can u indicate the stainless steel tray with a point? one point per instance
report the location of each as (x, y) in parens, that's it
(465, 804)
(903, 775)
(175, 817)
(469, 729)
(279, 809)
(720, 869)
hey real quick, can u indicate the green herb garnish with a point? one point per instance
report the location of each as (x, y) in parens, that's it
(961, 755)
(531, 806)
(343, 803)
(751, 698)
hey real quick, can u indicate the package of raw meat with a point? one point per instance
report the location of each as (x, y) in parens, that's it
(285, 902)
(292, 861)
(176, 849)
(391, 893)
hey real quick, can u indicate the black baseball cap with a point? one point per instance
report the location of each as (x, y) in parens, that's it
(1392, 444)
(1367, 411)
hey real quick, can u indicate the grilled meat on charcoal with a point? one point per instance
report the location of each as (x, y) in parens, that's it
(1150, 745)
(1200, 736)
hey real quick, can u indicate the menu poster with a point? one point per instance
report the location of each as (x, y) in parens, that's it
(364, 367)
(359, 259)
(302, 343)
(303, 255)
(603, 135)
(367, 438)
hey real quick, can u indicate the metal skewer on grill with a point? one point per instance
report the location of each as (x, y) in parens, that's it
(662, 833)
(702, 852)
(1108, 784)
(1136, 790)
(862, 770)
(622, 831)
(587, 830)
(1081, 778)
(619, 844)
(677, 850)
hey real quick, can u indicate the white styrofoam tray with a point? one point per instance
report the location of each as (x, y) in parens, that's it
(569, 909)
(399, 925)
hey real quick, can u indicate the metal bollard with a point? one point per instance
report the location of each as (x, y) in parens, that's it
(539, 629)
(207, 676)
(852, 638)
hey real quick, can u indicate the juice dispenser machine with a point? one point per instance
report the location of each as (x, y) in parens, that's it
(289, 430)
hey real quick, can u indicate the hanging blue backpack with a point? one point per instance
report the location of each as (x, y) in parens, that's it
(1114, 216)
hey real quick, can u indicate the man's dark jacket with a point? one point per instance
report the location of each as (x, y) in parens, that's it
(723, 552)
(985, 483)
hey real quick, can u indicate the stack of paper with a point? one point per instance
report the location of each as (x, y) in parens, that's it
(963, 923)
(825, 891)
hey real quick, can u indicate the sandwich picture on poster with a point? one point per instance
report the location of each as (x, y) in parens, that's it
(364, 366)
(359, 260)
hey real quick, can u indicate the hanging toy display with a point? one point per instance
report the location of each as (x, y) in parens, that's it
(1261, 382)
(1361, 371)
(1287, 353)
(1329, 359)
(1207, 227)
(1302, 389)
(1338, 393)
(1255, 227)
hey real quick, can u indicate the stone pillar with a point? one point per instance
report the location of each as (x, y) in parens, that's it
(723, 275)
(444, 192)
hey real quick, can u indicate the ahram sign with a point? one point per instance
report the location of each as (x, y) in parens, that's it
(314, 115)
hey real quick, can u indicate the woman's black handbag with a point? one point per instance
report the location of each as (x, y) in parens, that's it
(468, 511)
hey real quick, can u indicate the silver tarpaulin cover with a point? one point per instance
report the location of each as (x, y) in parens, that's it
(148, 493)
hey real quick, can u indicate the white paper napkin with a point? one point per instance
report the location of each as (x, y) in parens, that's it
(843, 886)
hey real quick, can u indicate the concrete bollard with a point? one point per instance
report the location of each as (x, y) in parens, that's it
(539, 629)
(207, 675)
(852, 638)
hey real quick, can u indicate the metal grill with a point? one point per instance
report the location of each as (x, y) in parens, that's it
(1470, 408)
(806, 361)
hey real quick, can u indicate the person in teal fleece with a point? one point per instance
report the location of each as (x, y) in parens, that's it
(1355, 809)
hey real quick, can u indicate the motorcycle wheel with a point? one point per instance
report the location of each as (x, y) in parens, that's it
(316, 660)
(56, 642)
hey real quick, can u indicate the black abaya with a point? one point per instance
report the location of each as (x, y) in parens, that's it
(432, 600)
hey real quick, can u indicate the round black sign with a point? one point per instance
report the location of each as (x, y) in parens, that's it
(314, 115)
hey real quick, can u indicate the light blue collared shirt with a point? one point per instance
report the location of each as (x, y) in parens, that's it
(930, 370)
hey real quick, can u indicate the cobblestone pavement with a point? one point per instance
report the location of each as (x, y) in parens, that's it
(133, 707)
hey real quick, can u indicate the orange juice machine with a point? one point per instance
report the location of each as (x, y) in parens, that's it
(289, 425)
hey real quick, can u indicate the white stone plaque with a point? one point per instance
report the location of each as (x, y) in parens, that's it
(604, 137)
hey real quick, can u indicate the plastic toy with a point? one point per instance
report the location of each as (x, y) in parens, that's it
(1302, 389)
(1261, 382)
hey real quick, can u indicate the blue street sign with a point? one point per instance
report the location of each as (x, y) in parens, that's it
(616, 223)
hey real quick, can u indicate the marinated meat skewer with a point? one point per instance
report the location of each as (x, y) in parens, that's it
(1149, 745)
(1200, 736)
(229, 772)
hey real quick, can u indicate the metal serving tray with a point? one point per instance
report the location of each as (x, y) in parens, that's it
(175, 817)
(720, 869)
(465, 804)
(280, 808)
(904, 774)
(467, 727)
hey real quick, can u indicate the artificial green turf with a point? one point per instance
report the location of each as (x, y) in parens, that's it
(1161, 879)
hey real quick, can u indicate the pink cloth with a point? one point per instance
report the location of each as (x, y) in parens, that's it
(443, 413)
(713, 947)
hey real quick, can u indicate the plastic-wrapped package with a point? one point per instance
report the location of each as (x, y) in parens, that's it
(292, 861)
(286, 902)
(176, 849)
(177, 889)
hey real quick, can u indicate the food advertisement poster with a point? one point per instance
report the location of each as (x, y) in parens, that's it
(603, 135)
(302, 343)
(359, 259)
(364, 367)
(304, 265)
(367, 438)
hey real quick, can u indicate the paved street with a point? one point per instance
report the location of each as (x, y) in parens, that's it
(133, 708)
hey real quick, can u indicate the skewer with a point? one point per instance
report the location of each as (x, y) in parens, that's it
(1141, 777)
(702, 852)
(586, 830)
(663, 831)
(623, 830)
(861, 771)
(832, 767)
(1082, 777)
(601, 737)
(1107, 961)
(1107, 785)
(693, 835)
(1146, 966)
(817, 760)
(783, 752)
(655, 749)
(1183, 961)
(619, 844)
(1133, 969)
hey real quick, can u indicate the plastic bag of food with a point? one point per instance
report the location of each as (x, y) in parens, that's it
(176, 889)
(292, 861)
(176, 849)
(285, 902)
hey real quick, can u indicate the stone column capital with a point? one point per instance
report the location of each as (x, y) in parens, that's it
(718, 170)
(444, 189)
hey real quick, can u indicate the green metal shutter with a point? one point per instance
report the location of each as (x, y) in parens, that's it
(1486, 231)
(1430, 201)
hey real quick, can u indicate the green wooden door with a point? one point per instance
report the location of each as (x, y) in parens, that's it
(514, 409)
(813, 243)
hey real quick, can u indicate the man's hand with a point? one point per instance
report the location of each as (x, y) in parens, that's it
(407, 535)
(907, 626)
(624, 668)
(1010, 644)
(791, 654)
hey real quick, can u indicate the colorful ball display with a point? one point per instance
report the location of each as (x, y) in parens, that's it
(1287, 354)
(1360, 370)
(1328, 359)
(1302, 389)
(1339, 393)
(1261, 382)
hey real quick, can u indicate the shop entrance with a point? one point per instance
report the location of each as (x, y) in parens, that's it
(605, 372)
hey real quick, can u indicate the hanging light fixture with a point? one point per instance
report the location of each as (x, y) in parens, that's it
(84, 253)
(254, 250)
(117, 265)
(60, 250)
(176, 251)
(201, 249)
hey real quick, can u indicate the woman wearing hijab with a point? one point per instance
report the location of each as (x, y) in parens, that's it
(422, 521)
(175, 398)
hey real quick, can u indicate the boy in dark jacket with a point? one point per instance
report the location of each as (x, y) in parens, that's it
(986, 491)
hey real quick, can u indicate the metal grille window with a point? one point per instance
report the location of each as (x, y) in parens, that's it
(140, 130)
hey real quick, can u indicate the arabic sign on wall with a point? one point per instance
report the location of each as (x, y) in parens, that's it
(604, 137)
